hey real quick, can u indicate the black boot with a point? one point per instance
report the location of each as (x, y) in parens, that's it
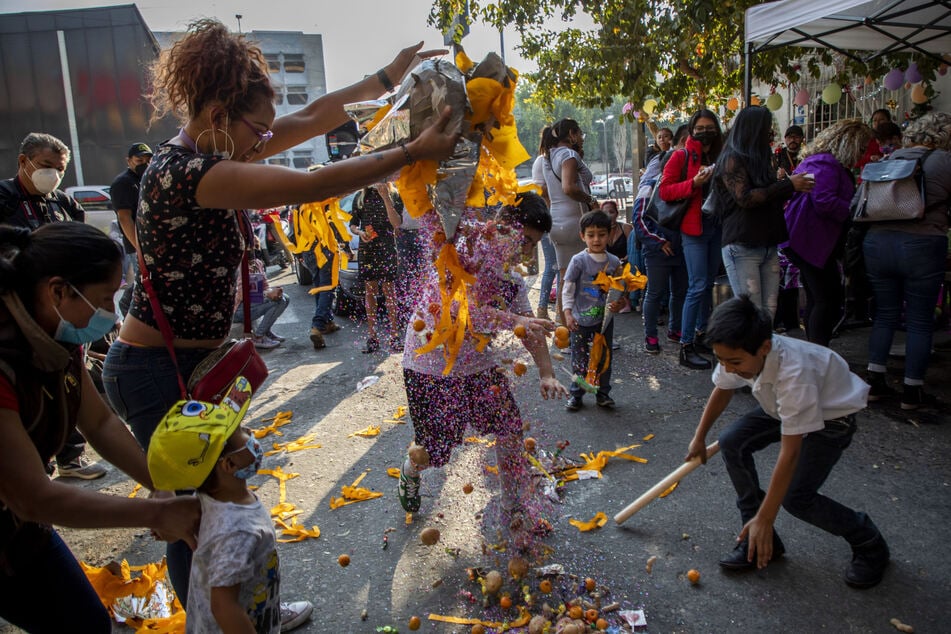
(868, 563)
(879, 387)
(737, 560)
(690, 359)
(700, 343)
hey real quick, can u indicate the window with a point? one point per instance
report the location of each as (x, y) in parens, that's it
(293, 63)
(278, 160)
(273, 62)
(296, 95)
(302, 159)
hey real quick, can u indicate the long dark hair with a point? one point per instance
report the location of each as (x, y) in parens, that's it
(79, 253)
(717, 144)
(547, 141)
(560, 130)
(747, 146)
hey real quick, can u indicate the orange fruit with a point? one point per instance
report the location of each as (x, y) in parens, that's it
(545, 586)
(519, 368)
(477, 629)
(530, 444)
(414, 623)
(505, 602)
(562, 342)
(589, 584)
(519, 331)
(591, 615)
(601, 624)
(575, 612)
(561, 332)
(343, 560)
(693, 576)
(467, 488)
(418, 325)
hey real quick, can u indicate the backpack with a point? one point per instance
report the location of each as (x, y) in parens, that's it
(891, 189)
(668, 214)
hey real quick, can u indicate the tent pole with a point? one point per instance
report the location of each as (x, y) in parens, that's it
(747, 73)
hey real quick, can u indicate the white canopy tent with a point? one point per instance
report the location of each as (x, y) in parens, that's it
(879, 26)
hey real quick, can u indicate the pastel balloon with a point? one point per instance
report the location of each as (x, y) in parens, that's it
(913, 75)
(832, 93)
(732, 103)
(649, 106)
(802, 97)
(774, 101)
(894, 79)
(918, 94)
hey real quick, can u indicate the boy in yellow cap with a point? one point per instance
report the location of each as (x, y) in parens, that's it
(235, 580)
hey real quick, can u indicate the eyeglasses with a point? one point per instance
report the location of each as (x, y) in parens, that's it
(263, 137)
(705, 129)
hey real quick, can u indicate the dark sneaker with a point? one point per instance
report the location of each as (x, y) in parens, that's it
(700, 343)
(689, 358)
(294, 614)
(409, 489)
(651, 345)
(573, 404)
(603, 400)
(673, 335)
(737, 560)
(81, 468)
(868, 564)
(914, 397)
(879, 388)
(317, 339)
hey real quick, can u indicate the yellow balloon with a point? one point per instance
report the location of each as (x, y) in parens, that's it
(918, 94)
(774, 101)
(832, 93)
(649, 106)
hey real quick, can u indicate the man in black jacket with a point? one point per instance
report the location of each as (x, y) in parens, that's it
(125, 200)
(32, 198)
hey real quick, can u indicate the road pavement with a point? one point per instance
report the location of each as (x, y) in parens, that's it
(897, 469)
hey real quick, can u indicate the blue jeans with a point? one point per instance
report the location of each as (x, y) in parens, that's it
(820, 452)
(753, 271)
(267, 312)
(635, 256)
(142, 385)
(665, 276)
(904, 269)
(580, 350)
(702, 255)
(324, 300)
(48, 591)
(550, 273)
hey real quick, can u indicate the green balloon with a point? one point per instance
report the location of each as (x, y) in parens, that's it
(774, 101)
(832, 93)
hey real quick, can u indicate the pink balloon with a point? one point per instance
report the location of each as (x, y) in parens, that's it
(894, 79)
(801, 98)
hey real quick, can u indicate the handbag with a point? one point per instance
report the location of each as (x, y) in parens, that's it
(211, 379)
(669, 214)
(710, 206)
(892, 189)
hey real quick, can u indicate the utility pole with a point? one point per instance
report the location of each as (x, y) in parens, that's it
(607, 162)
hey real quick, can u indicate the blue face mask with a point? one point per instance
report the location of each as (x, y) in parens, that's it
(100, 324)
(255, 448)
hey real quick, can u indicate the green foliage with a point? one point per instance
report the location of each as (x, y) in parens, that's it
(683, 53)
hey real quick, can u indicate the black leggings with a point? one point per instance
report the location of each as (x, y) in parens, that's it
(825, 296)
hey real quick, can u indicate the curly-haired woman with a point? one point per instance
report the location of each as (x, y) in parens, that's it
(190, 234)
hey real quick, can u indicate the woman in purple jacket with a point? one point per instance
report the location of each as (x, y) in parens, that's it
(816, 222)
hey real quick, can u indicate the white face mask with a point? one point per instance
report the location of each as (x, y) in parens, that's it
(45, 179)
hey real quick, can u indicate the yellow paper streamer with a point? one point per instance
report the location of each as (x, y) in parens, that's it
(400, 412)
(648, 437)
(367, 432)
(393, 472)
(282, 479)
(669, 489)
(598, 462)
(135, 490)
(304, 442)
(353, 494)
(523, 618)
(278, 420)
(599, 520)
(298, 532)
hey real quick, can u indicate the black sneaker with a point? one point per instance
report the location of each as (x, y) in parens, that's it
(673, 335)
(879, 388)
(737, 560)
(868, 564)
(914, 397)
(603, 400)
(651, 345)
(573, 404)
(690, 359)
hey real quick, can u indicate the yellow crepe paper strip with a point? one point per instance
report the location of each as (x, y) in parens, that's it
(523, 618)
(599, 520)
(491, 469)
(670, 489)
(483, 441)
(312, 231)
(282, 478)
(299, 532)
(284, 511)
(367, 432)
(304, 442)
(648, 437)
(378, 116)
(400, 412)
(278, 420)
(174, 624)
(463, 63)
(135, 490)
(393, 472)
(110, 586)
(412, 184)
(353, 494)
(598, 462)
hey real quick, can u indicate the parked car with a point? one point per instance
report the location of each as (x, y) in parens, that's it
(97, 202)
(599, 187)
(621, 187)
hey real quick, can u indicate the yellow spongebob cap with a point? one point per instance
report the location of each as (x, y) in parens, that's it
(190, 437)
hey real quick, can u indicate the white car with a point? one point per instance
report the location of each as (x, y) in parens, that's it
(97, 203)
(621, 187)
(599, 188)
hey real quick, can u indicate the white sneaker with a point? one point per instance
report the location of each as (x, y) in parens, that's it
(81, 468)
(294, 614)
(263, 342)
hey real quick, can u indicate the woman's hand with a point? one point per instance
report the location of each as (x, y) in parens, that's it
(551, 388)
(536, 330)
(703, 176)
(801, 183)
(667, 248)
(179, 519)
(406, 59)
(435, 143)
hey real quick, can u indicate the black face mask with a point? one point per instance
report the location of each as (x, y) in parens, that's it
(707, 137)
(138, 170)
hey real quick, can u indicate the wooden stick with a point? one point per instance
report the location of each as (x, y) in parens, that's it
(674, 476)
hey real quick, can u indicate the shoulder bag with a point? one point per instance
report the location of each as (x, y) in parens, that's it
(669, 214)
(891, 189)
(212, 378)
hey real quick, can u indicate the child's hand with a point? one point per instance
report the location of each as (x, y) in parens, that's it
(697, 448)
(570, 322)
(760, 535)
(616, 305)
(552, 389)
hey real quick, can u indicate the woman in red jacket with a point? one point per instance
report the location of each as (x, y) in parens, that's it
(687, 175)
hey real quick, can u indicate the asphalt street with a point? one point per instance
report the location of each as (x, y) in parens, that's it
(897, 469)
